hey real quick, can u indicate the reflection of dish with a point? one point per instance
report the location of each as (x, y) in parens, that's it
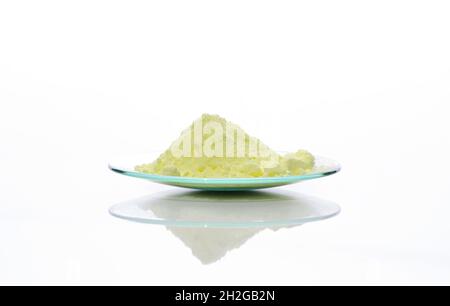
(212, 224)
(225, 210)
(125, 166)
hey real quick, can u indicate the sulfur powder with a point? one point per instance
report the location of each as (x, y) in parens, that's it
(215, 148)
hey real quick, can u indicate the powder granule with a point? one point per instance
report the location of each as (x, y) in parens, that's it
(212, 147)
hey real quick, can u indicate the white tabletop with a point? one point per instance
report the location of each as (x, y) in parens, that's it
(367, 86)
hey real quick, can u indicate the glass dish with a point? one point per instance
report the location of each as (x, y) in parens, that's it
(126, 165)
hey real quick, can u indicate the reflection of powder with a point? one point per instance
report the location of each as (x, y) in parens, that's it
(211, 244)
(215, 148)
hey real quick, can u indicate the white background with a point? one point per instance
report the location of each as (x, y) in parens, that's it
(364, 82)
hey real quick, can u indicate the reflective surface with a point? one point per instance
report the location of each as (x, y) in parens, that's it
(226, 210)
(211, 224)
(125, 165)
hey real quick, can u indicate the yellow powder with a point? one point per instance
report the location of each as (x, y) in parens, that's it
(215, 148)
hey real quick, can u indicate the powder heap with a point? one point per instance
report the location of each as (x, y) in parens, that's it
(212, 147)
